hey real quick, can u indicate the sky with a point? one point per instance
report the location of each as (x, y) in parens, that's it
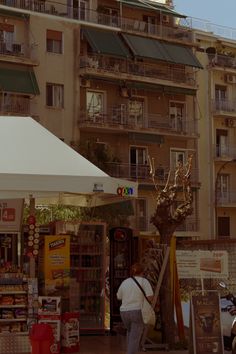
(220, 12)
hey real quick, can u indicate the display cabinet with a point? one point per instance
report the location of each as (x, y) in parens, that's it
(87, 258)
(13, 304)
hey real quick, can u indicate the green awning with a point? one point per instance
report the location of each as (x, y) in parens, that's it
(105, 42)
(143, 47)
(151, 5)
(142, 137)
(161, 88)
(181, 55)
(21, 81)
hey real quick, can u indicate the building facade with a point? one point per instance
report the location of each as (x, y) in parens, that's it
(118, 78)
(217, 126)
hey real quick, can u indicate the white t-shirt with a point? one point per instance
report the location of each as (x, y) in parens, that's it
(131, 295)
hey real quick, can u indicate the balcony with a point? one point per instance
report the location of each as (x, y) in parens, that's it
(190, 224)
(181, 33)
(14, 105)
(119, 119)
(225, 152)
(15, 51)
(226, 198)
(224, 108)
(146, 73)
(223, 61)
(142, 173)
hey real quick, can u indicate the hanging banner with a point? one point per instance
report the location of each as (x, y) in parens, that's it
(11, 212)
(202, 264)
(205, 323)
(56, 263)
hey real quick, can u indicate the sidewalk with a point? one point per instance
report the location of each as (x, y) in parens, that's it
(109, 344)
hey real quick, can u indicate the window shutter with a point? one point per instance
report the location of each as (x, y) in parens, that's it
(54, 35)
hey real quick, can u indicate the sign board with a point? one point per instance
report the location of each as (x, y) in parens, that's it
(202, 264)
(56, 263)
(205, 323)
(11, 211)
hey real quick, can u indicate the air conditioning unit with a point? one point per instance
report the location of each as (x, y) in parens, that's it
(85, 83)
(230, 78)
(231, 123)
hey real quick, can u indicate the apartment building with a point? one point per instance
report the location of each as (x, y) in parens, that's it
(118, 75)
(217, 126)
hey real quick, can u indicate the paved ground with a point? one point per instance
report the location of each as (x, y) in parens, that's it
(113, 345)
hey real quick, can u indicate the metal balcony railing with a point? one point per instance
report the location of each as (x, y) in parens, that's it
(190, 224)
(222, 60)
(12, 48)
(13, 104)
(142, 172)
(207, 26)
(147, 71)
(180, 33)
(118, 117)
(225, 151)
(224, 105)
(227, 197)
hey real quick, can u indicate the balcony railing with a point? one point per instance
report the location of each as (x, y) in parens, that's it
(148, 72)
(190, 224)
(9, 48)
(118, 117)
(181, 33)
(12, 104)
(207, 26)
(223, 105)
(142, 172)
(222, 60)
(225, 151)
(228, 197)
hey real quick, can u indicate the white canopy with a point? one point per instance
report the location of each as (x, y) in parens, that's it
(35, 162)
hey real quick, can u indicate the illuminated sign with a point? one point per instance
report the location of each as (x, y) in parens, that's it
(125, 191)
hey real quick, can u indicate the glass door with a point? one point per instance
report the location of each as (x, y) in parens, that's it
(136, 112)
(138, 162)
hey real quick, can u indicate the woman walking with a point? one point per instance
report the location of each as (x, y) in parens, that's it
(130, 310)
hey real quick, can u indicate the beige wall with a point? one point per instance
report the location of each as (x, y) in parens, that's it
(57, 69)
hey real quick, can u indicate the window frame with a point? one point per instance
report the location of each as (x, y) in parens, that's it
(54, 41)
(53, 101)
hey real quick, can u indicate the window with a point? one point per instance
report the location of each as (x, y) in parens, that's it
(136, 111)
(80, 9)
(95, 105)
(55, 95)
(177, 115)
(138, 162)
(108, 16)
(221, 97)
(176, 157)
(223, 193)
(6, 37)
(221, 142)
(141, 214)
(223, 226)
(151, 22)
(54, 41)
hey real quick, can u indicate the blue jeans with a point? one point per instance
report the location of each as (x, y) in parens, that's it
(133, 322)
